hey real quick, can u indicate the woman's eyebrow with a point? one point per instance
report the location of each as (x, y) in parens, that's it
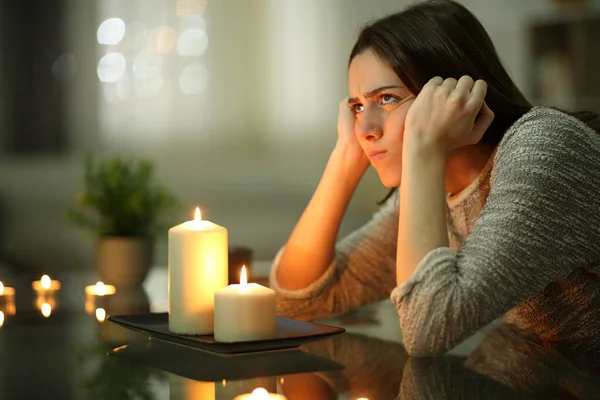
(374, 92)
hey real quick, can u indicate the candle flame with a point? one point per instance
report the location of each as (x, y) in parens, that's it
(1, 318)
(243, 276)
(100, 288)
(46, 282)
(1, 288)
(197, 215)
(46, 310)
(259, 394)
(100, 314)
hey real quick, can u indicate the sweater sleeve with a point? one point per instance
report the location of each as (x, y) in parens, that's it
(539, 223)
(362, 272)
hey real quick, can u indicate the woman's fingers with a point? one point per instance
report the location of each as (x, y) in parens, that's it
(449, 84)
(478, 93)
(484, 119)
(464, 85)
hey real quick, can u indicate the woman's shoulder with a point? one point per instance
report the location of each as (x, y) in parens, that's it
(545, 133)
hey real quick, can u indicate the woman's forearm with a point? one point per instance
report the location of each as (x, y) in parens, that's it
(311, 246)
(422, 223)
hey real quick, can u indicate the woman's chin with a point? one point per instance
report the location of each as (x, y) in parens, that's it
(390, 181)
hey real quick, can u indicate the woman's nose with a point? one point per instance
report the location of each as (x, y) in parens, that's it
(369, 128)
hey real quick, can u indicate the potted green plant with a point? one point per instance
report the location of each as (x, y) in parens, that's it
(126, 208)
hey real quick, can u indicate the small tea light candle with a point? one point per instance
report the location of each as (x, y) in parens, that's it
(260, 394)
(45, 284)
(244, 312)
(6, 291)
(100, 289)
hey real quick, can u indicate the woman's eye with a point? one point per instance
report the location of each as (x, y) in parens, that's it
(388, 98)
(357, 108)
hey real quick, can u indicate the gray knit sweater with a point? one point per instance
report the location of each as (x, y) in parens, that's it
(524, 245)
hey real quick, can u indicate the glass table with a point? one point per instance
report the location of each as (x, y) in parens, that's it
(73, 352)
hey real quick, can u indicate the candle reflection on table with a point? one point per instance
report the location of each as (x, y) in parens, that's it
(46, 309)
(260, 394)
(229, 389)
(100, 314)
(187, 389)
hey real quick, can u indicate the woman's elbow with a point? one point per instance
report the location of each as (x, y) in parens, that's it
(421, 342)
(424, 349)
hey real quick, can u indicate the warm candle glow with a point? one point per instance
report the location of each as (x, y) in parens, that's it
(197, 215)
(46, 310)
(259, 394)
(1, 288)
(46, 282)
(362, 398)
(100, 289)
(243, 277)
(100, 314)
(1, 318)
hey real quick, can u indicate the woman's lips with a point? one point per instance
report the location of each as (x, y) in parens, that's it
(376, 156)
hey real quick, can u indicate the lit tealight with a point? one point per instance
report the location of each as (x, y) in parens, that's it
(260, 394)
(46, 309)
(45, 284)
(100, 314)
(100, 289)
(6, 291)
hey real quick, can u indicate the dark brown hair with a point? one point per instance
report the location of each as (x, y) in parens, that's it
(443, 38)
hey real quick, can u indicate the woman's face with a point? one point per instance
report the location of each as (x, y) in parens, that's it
(380, 102)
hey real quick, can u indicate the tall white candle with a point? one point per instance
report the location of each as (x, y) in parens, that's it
(244, 312)
(197, 269)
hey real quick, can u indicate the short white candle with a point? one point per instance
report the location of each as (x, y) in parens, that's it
(260, 394)
(197, 269)
(244, 312)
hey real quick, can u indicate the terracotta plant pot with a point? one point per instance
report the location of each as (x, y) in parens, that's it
(124, 261)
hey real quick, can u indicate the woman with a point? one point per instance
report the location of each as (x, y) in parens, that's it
(499, 199)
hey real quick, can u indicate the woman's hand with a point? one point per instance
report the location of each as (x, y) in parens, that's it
(347, 143)
(448, 114)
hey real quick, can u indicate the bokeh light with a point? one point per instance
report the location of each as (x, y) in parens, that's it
(192, 42)
(111, 31)
(111, 67)
(65, 67)
(193, 79)
(162, 39)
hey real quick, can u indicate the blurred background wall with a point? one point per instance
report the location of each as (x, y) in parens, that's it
(236, 100)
